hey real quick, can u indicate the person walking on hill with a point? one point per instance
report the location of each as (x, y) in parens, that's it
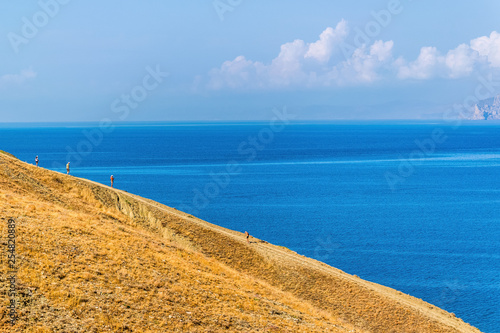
(67, 168)
(36, 160)
(248, 237)
(112, 178)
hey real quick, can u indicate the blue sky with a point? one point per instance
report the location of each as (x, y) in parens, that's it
(69, 60)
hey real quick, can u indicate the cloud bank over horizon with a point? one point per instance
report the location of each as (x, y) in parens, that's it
(333, 61)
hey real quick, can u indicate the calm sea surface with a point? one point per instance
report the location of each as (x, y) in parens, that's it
(412, 206)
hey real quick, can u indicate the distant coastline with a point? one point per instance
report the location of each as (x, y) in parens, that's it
(396, 122)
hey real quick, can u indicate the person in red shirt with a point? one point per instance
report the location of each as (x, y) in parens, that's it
(112, 180)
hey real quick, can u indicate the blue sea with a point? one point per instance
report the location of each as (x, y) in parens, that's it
(413, 206)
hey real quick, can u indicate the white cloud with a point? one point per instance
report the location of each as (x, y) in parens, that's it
(318, 64)
(460, 61)
(365, 63)
(234, 74)
(287, 67)
(26, 74)
(305, 64)
(322, 49)
(424, 67)
(488, 47)
(382, 51)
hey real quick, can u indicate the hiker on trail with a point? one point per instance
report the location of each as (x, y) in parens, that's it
(112, 180)
(248, 236)
(36, 160)
(67, 168)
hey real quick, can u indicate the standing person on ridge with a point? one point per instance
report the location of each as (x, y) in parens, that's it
(67, 168)
(248, 236)
(112, 178)
(36, 160)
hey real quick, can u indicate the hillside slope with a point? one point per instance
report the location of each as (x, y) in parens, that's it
(96, 259)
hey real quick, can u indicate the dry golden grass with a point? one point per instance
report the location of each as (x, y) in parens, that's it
(95, 259)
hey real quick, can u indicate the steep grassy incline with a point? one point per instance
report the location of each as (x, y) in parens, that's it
(94, 259)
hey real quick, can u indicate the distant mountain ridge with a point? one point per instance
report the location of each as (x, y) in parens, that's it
(487, 109)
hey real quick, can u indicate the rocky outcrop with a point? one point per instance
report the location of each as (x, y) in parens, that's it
(487, 109)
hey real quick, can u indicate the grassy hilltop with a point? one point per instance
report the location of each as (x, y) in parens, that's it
(95, 259)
